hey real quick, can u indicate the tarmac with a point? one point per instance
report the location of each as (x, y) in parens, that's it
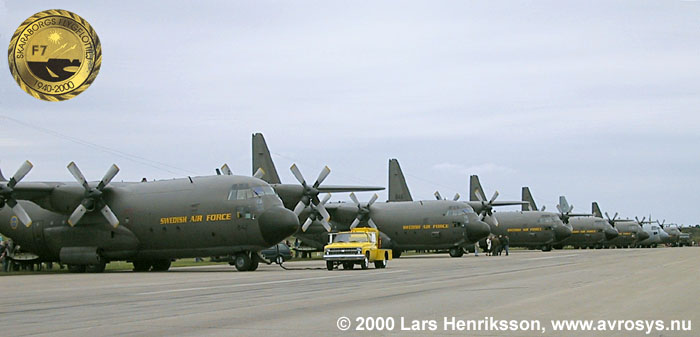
(610, 284)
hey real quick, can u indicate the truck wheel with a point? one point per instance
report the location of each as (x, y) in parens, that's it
(365, 262)
(242, 261)
(329, 265)
(456, 252)
(379, 264)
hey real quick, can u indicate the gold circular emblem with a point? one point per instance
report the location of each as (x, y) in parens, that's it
(54, 55)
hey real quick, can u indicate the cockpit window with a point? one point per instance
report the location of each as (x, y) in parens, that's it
(244, 191)
(547, 219)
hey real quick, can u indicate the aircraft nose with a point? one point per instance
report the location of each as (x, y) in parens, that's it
(477, 230)
(276, 224)
(561, 233)
(611, 233)
(643, 235)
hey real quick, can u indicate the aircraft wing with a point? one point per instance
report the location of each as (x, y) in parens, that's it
(477, 205)
(33, 191)
(346, 188)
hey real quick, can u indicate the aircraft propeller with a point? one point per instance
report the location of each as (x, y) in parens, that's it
(641, 223)
(225, 170)
(611, 221)
(487, 207)
(317, 215)
(363, 211)
(439, 197)
(7, 194)
(93, 196)
(564, 209)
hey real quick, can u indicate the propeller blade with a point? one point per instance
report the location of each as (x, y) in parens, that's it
(75, 171)
(77, 215)
(371, 223)
(21, 172)
(109, 215)
(492, 219)
(493, 198)
(643, 218)
(306, 224)
(111, 173)
(322, 176)
(297, 174)
(22, 214)
(571, 208)
(226, 170)
(371, 201)
(437, 195)
(326, 225)
(480, 195)
(607, 216)
(259, 173)
(615, 216)
(354, 223)
(543, 208)
(324, 213)
(354, 199)
(299, 207)
(456, 197)
(559, 209)
(326, 198)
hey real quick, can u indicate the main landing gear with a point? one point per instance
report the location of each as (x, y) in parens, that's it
(152, 265)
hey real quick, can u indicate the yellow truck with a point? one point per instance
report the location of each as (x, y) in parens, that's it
(358, 246)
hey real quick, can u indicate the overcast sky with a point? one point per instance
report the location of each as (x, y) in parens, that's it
(593, 100)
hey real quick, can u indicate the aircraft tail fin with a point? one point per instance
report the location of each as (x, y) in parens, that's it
(398, 189)
(596, 210)
(263, 160)
(475, 189)
(527, 197)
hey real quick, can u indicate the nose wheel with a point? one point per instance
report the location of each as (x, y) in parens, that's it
(246, 261)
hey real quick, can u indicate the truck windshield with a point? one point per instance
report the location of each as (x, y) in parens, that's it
(347, 237)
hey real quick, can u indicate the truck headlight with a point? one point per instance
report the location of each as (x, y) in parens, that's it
(328, 251)
(359, 250)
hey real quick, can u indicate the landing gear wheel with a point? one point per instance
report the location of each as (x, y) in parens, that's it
(364, 264)
(456, 252)
(161, 265)
(96, 268)
(255, 261)
(76, 268)
(242, 261)
(546, 248)
(348, 265)
(396, 253)
(380, 264)
(329, 265)
(140, 266)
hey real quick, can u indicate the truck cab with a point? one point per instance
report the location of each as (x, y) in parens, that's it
(358, 246)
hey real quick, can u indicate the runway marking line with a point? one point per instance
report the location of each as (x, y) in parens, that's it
(551, 257)
(256, 283)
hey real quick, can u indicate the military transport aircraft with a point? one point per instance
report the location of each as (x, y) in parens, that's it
(674, 234)
(404, 224)
(630, 233)
(530, 227)
(87, 224)
(588, 231)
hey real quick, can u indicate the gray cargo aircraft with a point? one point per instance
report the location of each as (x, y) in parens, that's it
(587, 231)
(87, 224)
(530, 227)
(404, 224)
(630, 233)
